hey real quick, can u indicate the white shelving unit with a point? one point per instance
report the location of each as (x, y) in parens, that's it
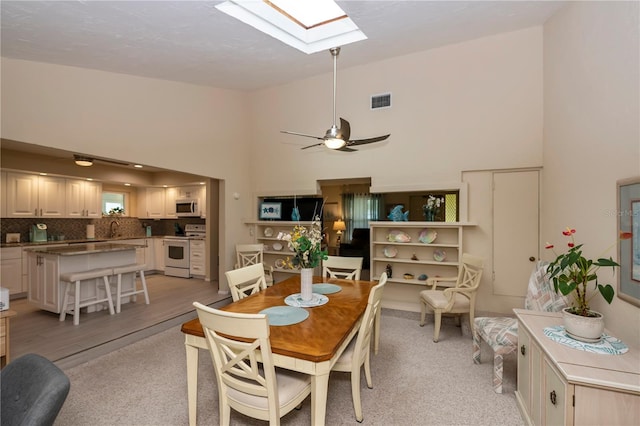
(262, 236)
(403, 293)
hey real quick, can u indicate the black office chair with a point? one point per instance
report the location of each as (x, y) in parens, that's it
(33, 391)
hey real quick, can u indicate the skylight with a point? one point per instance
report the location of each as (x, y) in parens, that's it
(309, 26)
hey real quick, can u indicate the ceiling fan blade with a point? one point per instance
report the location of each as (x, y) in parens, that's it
(369, 140)
(311, 146)
(301, 134)
(345, 130)
(345, 149)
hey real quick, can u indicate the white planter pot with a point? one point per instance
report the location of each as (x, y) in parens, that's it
(586, 329)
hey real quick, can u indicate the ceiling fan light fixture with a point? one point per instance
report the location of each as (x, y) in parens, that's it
(334, 143)
(83, 161)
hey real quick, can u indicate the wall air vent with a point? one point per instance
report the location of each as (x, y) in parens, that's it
(382, 100)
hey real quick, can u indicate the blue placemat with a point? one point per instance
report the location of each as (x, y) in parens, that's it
(296, 300)
(326, 288)
(608, 345)
(285, 315)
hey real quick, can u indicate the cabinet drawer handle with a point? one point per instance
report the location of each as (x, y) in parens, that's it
(552, 397)
(523, 350)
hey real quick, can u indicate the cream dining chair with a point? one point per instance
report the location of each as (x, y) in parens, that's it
(347, 268)
(246, 281)
(247, 379)
(458, 299)
(358, 353)
(252, 254)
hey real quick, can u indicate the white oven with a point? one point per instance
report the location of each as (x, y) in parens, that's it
(176, 257)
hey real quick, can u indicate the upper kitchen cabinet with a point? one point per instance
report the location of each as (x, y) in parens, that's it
(35, 196)
(170, 197)
(3, 194)
(84, 198)
(151, 203)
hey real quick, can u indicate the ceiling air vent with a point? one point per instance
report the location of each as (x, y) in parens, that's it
(381, 101)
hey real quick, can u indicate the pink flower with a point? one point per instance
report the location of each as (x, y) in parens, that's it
(571, 245)
(568, 232)
(548, 246)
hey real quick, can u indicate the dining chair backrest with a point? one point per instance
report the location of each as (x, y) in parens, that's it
(249, 254)
(348, 268)
(245, 372)
(374, 304)
(470, 272)
(246, 281)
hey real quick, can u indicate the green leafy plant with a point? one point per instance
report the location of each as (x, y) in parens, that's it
(571, 273)
(306, 244)
(116, 211)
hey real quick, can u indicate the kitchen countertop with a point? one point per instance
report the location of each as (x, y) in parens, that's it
(80, 249)
(81, 241)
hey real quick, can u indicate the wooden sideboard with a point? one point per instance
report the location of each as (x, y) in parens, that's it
(559, 385)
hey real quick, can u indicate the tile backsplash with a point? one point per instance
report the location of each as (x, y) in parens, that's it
(76, 229)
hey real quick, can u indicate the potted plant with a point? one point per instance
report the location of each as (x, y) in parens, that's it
(572, 273)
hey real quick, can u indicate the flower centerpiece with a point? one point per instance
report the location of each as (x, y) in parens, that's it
(307, 246)
(431, 207)
(571, 273)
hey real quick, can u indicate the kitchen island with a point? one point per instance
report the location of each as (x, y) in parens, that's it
(47, 263)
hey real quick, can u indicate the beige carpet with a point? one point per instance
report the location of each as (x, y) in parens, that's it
(416, 382)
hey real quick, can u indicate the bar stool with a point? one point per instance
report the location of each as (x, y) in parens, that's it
(74, 280)
(134, 268)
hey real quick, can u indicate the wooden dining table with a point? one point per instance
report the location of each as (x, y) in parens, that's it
(312, 346)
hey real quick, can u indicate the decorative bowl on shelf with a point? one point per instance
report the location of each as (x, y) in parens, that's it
(396, 236)
(427, 236)
(423, 277)
(268, 232)
(390, 251)
(439, 255)
(408, 276)
(277, 246)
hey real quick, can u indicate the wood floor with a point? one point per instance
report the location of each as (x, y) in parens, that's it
(34, 330)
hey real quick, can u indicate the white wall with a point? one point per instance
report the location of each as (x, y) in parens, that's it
(188, 128)
(473, 105)
(592, 131)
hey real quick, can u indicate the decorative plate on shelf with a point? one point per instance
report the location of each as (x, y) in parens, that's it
(277, 246)
(397, 236)
(439, 255)
(268, 232)
(280, 263)
(427, 236)
(390, 251)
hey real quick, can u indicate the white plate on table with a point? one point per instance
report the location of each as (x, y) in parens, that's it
(296, 300)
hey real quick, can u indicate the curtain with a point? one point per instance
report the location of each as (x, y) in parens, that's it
(359, 209)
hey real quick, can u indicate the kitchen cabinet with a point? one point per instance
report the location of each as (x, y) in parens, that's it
(197, 258)
(151, 203)
(170, 197)
(277, 251)
(44, 282)
(84, 198)
(35, 196)
(11, 269)
(149, 254)
(141, 250)
(560, 385)
(158, 247)
(3, 194)
(416, 257)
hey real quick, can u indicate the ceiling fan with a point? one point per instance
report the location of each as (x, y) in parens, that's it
(337, 138)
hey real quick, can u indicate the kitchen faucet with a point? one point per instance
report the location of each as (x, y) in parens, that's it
(114, 228)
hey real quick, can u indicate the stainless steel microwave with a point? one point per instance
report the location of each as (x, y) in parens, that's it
(187, 207)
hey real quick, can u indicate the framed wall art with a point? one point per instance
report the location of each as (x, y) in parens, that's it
(270, 210)
(628, 213)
